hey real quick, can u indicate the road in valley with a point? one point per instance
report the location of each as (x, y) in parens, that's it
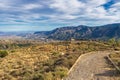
(92, 66)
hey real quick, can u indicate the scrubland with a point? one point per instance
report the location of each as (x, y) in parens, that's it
(31, 60)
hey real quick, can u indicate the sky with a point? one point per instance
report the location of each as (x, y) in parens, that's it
(44, 15)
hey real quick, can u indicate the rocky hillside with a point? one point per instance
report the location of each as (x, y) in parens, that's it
(82, 32)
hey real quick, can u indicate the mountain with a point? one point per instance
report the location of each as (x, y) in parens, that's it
(82, 32)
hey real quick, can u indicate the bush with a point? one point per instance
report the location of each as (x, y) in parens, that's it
(38, 76)
(3, 54)
(60, 72)
(48, 76)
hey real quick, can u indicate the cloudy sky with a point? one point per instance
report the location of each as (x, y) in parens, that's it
(37, 15)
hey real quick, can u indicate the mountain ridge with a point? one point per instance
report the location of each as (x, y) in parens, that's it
(83, 32)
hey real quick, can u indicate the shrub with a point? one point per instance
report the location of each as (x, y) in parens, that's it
(12, 51)
(48, 76)
(60, 72)
(38, 76)
(3, 54)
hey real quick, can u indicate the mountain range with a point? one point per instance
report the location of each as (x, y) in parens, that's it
(104, 32)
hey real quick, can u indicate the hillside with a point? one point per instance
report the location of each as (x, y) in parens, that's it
(33, 60)
(82, 32)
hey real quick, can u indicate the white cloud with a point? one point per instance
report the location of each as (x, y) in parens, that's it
(58, 12)
(88, 8)
(115, 7)
(114, 11)
(4, 5)
(95, 3)
(67, 7)
(31, 6)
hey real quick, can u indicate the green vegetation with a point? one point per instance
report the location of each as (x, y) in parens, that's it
(3, 54)
(115, 43)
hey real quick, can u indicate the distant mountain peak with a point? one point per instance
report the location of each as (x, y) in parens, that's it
(83, 32)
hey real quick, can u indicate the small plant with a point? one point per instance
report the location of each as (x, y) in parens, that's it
(48, 76)
(38, 76)
(60, 72)
(3, 54)
(12, 51)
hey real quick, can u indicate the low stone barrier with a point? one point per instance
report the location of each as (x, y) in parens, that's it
(113, 63)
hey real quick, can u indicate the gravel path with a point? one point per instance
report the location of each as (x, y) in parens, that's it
(92, 66)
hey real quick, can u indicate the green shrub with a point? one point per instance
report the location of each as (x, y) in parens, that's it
(56, 54)
(3, 54)
(12, 51)
(38, 76)
(48, 76)
(60, 72)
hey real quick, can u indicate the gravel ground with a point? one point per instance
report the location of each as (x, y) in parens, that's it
(92, 66)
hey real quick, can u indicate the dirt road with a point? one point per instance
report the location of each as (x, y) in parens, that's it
(92, 66)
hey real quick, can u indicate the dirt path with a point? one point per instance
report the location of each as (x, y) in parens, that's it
(92, 66)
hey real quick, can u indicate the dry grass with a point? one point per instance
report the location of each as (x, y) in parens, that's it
(42, 61)
(116, 58)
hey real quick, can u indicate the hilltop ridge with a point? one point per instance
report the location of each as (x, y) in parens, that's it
(82, 32)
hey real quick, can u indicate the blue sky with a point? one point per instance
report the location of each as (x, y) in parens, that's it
(39, 15)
